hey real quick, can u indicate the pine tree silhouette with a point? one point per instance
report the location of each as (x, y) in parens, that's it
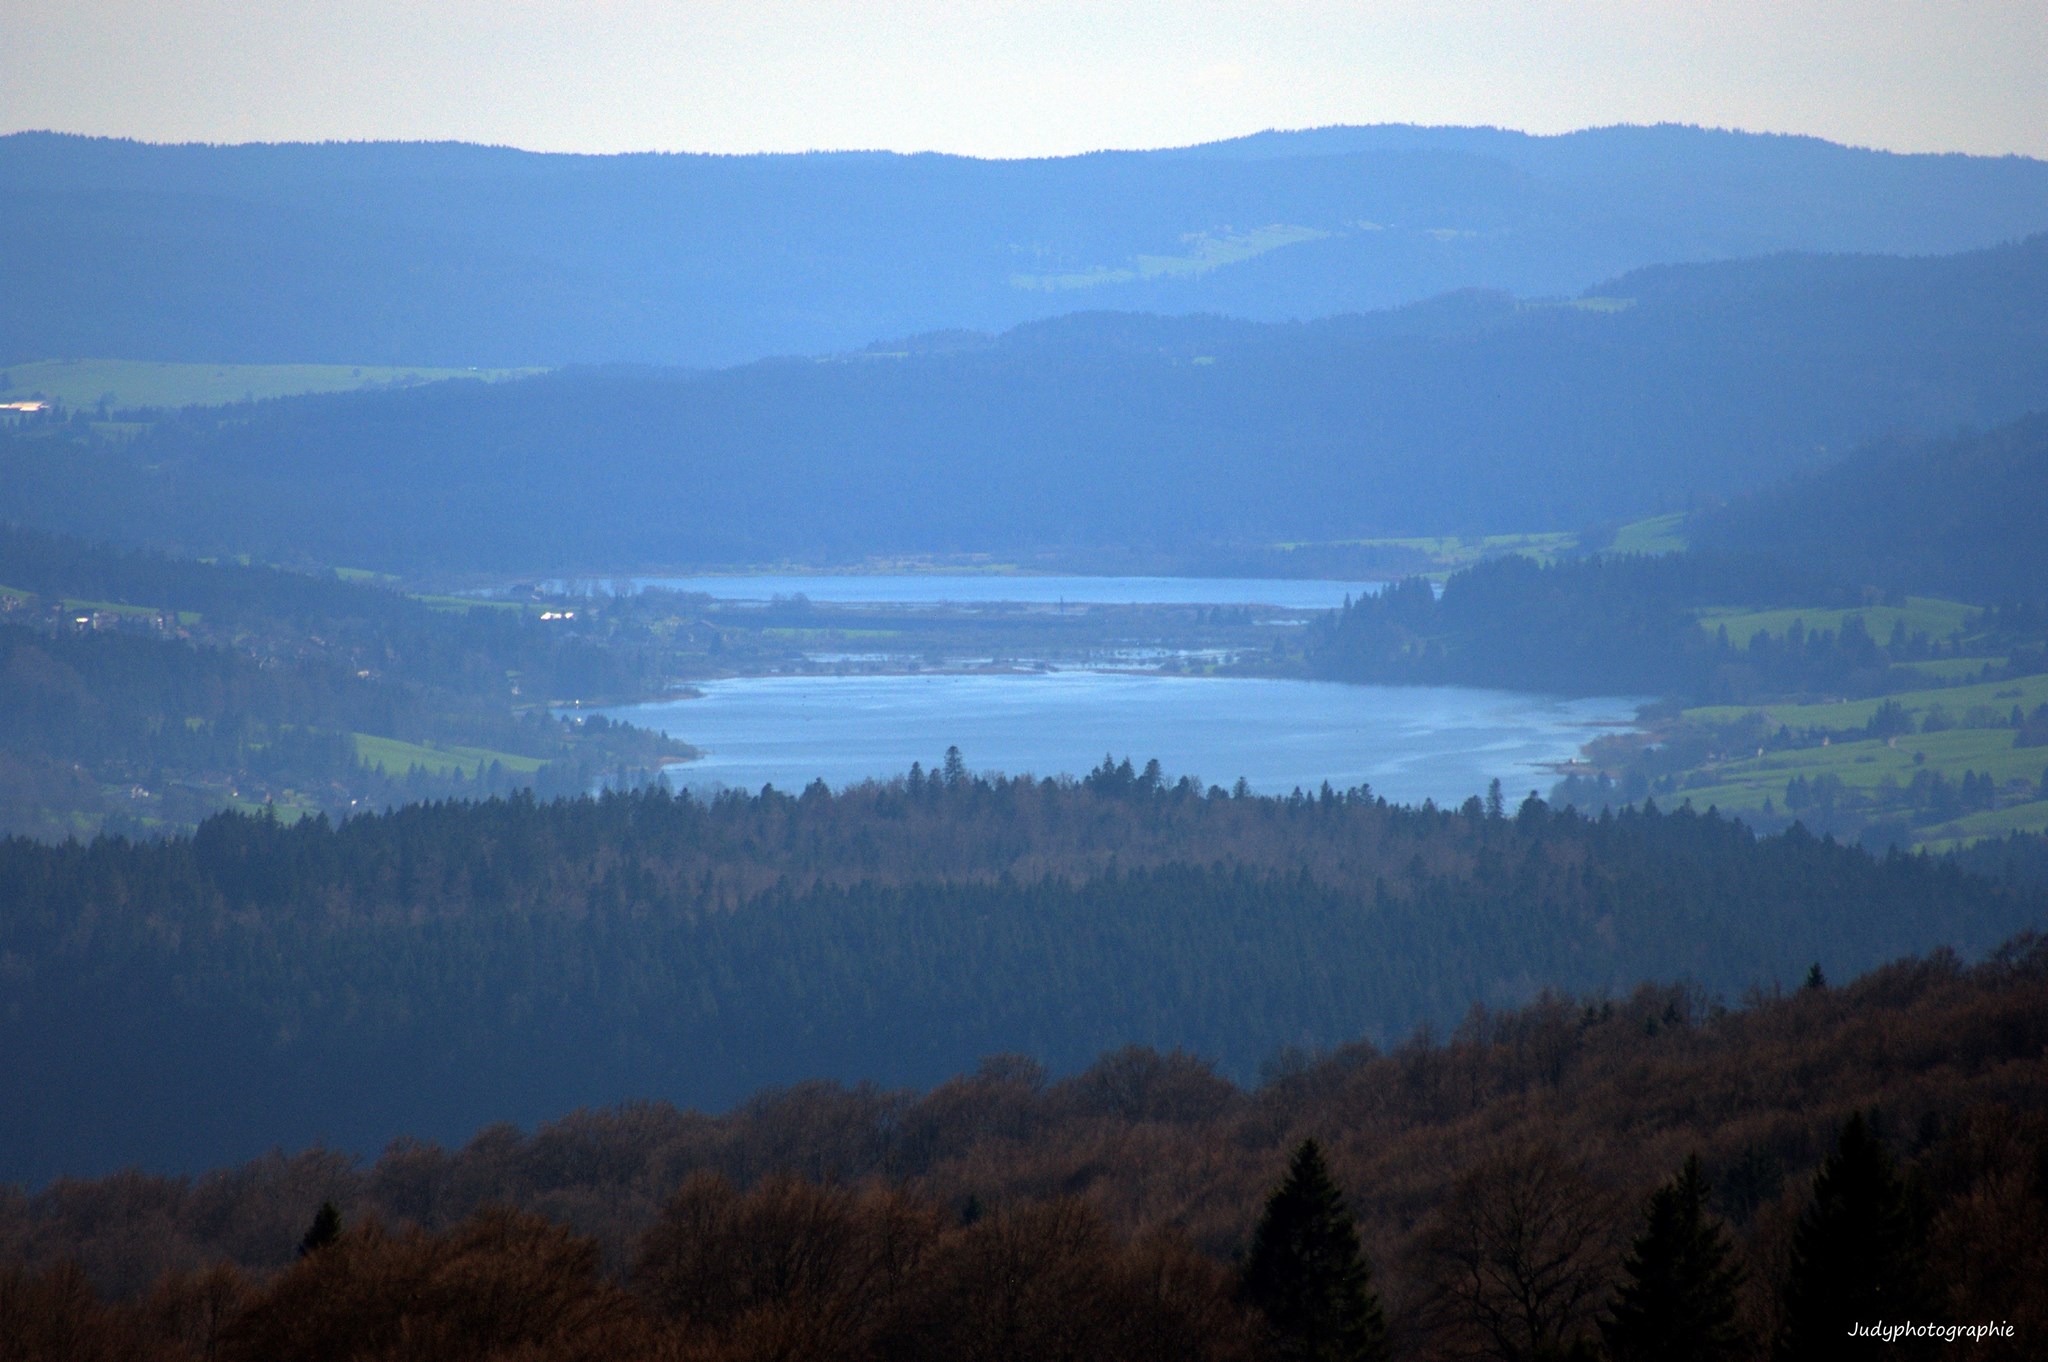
(1677, 1300)
(325, 1229)
(1855, 1254)
(1307, 1275)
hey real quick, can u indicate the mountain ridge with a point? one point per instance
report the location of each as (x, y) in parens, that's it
(1102, 430)
(451, 253)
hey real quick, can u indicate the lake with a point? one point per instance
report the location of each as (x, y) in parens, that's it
(1407, 742)
(928, 589)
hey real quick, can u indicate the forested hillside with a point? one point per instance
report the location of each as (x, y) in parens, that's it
(1603, 623)
(445, 254)
(434, 968)
(1113, 1213)
(1961, 515)
(141, 693)
(1471, 414)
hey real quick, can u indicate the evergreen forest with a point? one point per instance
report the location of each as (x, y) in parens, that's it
(446, 964)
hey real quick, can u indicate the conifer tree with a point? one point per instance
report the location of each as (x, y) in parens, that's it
(1307, 1275)
(325, 1229)
(1677, 1301)
(1855, 1254)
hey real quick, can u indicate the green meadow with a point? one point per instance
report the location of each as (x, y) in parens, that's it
(1973, 827)
(395, 758)
(1873, 768)
(1449, 552)
(1956, 701)
(152, 383)
(1868, 764)
(1658, 534)
(1205, 251)
(465, 603)
(1920, 614)
(1950, 671)
(286, 810)
(184, 617)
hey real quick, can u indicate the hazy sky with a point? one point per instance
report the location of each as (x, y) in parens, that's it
(1011, 77)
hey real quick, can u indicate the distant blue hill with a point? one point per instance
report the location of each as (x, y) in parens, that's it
(449, 254)
(1475, 412)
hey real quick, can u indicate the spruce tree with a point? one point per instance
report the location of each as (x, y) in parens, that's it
(1307, 1275)
(1677, 1301)
(325, 1229)
(1855, 1254)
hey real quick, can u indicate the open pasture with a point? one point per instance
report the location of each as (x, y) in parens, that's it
(2031, 817)
(1845, 715)
(1920, 615)
(395, 758)
(1868, 764)
(1449, 552)
(1657, 534)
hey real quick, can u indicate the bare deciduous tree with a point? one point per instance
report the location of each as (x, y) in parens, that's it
(1519, 1260)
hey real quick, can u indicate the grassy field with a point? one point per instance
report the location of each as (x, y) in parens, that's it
(1956, 701)
(152, 383)
(286, 811)
(1658, 534)
(1874, 769)
(1865, 765)
(1450, 552)
(1950, 671)
(1990, 823)
(471, 603)
(1206, 251)
(1920, 614)
(184, 617)
(395, 758)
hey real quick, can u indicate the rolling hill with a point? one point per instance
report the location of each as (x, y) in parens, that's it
(456, 255)
(1473, 413)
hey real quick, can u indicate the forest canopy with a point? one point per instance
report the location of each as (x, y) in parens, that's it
(448, 964)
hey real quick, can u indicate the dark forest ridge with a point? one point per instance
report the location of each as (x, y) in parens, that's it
(1584, 1106)
(1962, 515)
(1471, 412)
(450, 254)
(428, 970)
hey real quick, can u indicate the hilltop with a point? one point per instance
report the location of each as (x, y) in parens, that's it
(454, 255)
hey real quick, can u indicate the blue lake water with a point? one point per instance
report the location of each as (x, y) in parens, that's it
(1407, 742)
(941, 589)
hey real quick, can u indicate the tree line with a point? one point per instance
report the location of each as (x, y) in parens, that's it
(444, 964)
(1629, 1178)
(1630, 622)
